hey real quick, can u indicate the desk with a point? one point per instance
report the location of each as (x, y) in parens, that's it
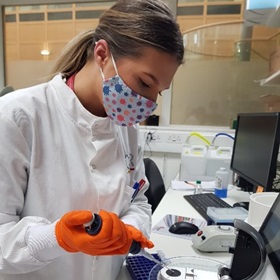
(173, 202)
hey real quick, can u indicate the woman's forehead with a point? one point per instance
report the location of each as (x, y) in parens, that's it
(158, 65)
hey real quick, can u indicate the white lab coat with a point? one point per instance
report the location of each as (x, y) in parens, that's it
(56, 157)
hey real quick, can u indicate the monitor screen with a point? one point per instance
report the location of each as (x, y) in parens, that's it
(255, 148)
(270, 234)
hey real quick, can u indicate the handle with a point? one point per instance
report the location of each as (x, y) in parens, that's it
(135, 247)
(94, 227)
(198, 150)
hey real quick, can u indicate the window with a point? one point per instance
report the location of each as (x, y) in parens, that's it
(33, 39)
(217, 81)
(220, 78)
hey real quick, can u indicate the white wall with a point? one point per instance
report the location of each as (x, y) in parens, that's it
(167, 143)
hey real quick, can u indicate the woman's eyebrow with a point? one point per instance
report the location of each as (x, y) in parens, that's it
(152, 77)
(156, 80)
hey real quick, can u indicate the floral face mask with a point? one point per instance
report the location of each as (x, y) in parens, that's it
(124, 106)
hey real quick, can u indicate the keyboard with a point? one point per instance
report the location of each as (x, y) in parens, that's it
(201, 201)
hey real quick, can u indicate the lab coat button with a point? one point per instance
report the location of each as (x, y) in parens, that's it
(93, 167)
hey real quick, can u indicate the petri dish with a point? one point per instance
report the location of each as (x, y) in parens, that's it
(203, 265)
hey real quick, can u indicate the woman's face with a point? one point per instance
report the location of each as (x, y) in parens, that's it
(148, 74)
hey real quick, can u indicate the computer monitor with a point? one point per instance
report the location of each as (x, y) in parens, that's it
(255, 149)
(269, 231)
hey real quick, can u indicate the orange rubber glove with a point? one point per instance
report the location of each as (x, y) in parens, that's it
(113, 238)
(138, 236)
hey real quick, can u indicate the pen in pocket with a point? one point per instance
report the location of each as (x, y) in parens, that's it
(137, 187)
(141, 184)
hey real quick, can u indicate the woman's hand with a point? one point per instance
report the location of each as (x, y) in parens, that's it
(112, 239)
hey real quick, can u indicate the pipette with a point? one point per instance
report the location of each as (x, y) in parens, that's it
(94, 226)
(150, 257)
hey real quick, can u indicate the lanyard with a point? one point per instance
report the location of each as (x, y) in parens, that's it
(127, 156)
(129, 161)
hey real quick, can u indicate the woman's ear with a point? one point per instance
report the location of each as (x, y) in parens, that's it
(101, 53)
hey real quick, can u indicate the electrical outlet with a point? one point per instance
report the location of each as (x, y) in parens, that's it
(175, 138)
(157, 138)
(153, 137)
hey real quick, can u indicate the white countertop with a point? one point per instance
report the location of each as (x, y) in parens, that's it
(174, 203)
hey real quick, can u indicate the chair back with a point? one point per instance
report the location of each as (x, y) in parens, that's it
(157, 189)
(6, 90)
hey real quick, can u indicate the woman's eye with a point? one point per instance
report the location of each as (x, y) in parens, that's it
(144, 84)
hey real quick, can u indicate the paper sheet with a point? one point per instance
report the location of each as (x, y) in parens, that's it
(196, 274)
(184, 185)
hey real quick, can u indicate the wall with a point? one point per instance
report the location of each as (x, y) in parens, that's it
(166, 145)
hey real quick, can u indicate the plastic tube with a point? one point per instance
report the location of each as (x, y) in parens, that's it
(221, 134)
(199, 136)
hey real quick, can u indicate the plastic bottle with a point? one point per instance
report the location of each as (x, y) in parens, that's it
(198, 188)
(221, 182)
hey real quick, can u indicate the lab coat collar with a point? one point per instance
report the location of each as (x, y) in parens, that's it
(76, 112)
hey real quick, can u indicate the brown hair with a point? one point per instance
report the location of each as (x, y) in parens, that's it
(127, 27)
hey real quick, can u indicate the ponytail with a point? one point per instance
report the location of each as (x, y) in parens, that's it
(75, 54)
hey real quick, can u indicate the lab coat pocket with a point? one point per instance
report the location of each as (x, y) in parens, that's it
(130, 191)
(125, 200)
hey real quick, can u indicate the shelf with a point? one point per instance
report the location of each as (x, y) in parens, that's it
(272, 80)
(270, 99)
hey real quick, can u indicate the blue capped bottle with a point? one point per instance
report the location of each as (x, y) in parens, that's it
(221, 182)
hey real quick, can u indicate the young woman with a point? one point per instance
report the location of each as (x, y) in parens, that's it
(69, 148)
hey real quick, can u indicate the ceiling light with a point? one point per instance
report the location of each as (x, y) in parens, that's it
(45, 52)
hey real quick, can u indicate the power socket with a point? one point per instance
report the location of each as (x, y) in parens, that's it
(157, 138)
(153, 137)
(175, 138)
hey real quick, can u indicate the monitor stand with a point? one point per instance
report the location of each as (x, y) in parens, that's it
(245, 185)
